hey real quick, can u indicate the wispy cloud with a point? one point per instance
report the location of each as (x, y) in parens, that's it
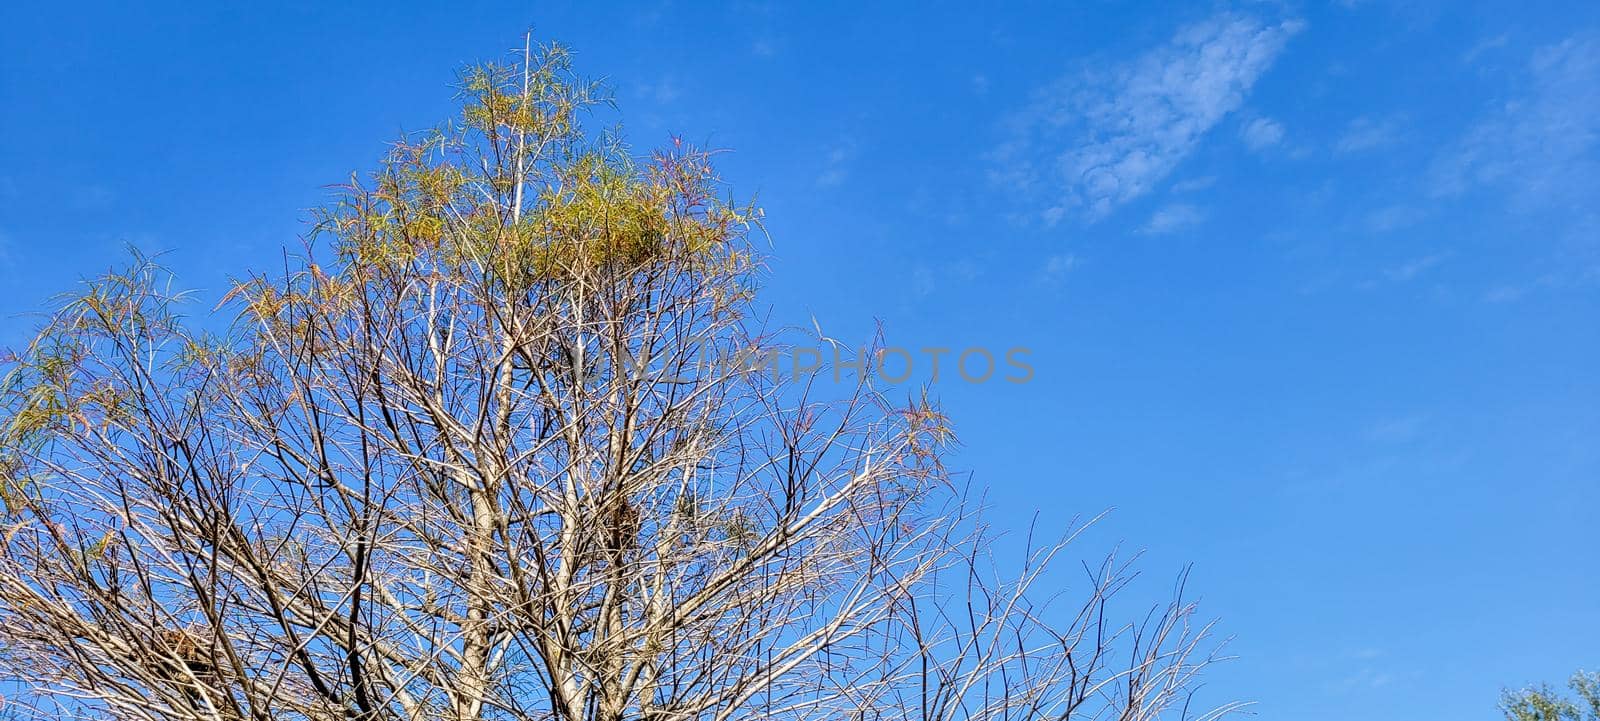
(662, 92)
(1192, 185)
(1540, 147)
(1366, 133)
(923, 281)
(836, 166)
(1414, 267)
(1495, 43)
(926, 278)
(1261, 133)
(1364, 678)
(1505, 293)
(1173, 218)
(1361, 670)
(1106, 135)
(1057, 266)
(1394, 217)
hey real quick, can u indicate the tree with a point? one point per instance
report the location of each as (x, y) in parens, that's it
(1542, 703)
(464, 458)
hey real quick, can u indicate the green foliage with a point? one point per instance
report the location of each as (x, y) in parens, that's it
(539, 99)
(70, 381)
(1543, 703)
(518, 195)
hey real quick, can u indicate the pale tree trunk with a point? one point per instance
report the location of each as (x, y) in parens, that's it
(463, 459)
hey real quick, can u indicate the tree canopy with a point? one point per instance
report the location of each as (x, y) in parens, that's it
(1543, 703)
(463, 459)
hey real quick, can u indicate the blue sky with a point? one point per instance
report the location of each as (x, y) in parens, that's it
(1312, 289)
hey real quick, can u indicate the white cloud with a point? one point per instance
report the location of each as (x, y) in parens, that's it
(1106, 135)
(1367, 133)
(1368, 678)
(1542, 147)
(1414, 267)
(1393, 217)
(836, 168)
(1194, 184)
(92, 196)
(923, 281)
(1058, 265)
(925, 278)
(1173, 218)
(1505, 293)
(663, 92)
(1494, 43)
(1261, 133)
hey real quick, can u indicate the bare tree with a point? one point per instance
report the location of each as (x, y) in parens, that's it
(465, 458)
